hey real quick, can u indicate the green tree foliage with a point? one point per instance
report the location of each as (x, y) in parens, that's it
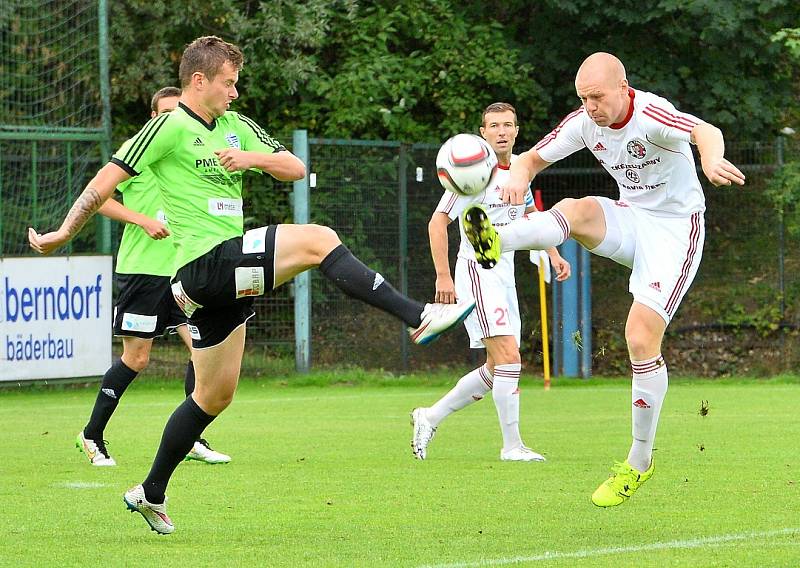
(712, 58)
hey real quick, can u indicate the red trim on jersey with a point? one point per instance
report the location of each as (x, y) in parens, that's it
(668, 119)
(627, 119)
(550, 137)
(502, 167)
(682, 117)
(694, 239)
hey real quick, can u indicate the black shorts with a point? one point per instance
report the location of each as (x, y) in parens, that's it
(217, 290)
(145, 306)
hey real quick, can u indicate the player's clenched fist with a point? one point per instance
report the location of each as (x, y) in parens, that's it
(47, 243)
(233, 159)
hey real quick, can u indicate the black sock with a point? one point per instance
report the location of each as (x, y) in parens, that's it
(188, 382)
(115, 381)
(359, 281)
(182, 429)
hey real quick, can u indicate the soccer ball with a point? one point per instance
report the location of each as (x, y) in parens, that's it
(465, 164)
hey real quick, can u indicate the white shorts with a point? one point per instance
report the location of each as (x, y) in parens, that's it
(496, 307)
(663, 253)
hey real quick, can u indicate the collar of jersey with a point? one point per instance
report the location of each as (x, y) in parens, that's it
(208, 125)
(626, 120)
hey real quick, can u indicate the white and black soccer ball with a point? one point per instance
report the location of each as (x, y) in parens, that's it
(465, 164)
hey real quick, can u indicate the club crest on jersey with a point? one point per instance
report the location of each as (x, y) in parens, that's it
(232, 140)
(632, 175)
(637, 149)
(512, 213)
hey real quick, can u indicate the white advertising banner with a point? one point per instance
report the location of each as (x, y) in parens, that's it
(55, 317)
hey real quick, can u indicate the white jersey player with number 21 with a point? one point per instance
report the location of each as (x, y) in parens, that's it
(495, 322)
(655, 228)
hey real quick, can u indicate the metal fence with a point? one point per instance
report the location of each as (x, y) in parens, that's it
(740, 317)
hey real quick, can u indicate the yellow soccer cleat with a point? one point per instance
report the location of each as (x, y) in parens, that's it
(482, 235)
(623, 483)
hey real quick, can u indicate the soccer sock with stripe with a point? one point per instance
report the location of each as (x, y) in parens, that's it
(359, 281)
(115, 381)
(536, 231)
(505, 393)
(647, 395)
(188, 381)
(469, 388)
(182, 429)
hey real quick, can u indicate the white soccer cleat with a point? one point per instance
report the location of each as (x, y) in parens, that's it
(201, 451)
(423, 433)
(521, 454)
(155, 515)
(95, 450)
(438, 318)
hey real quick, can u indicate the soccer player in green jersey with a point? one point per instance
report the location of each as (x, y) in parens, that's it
(198, 154)
(145, 307)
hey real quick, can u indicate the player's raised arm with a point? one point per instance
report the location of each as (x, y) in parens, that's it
(711, 146)
(523, 169)
(283, 165)
(96, 193)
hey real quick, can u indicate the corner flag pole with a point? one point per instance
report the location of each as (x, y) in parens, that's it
(543, 306)
(545, 338)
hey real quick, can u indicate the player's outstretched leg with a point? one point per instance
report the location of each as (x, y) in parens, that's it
(482, 236)
(426, 321)
(154, 514)
(623, 482)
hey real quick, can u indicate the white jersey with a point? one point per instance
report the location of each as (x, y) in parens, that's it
(500, 214)
(648, 154)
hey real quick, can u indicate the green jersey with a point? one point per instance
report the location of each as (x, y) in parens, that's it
(202, 200)
(138, 253)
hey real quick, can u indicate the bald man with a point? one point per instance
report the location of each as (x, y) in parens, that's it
(655, 228)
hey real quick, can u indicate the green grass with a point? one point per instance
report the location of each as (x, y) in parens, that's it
(323, 476)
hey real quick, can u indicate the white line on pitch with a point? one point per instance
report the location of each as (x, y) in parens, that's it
(589, 553)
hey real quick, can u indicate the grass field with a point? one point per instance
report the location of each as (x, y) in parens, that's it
(323, 476)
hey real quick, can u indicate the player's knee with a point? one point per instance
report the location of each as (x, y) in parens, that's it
(322, 240)
(136, 361)
(641, 344)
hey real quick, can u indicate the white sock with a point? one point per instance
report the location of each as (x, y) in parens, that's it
(470, 388)
(538, 231)
(647, 395)
(505, 393)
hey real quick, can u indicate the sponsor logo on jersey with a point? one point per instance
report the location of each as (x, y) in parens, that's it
(198, 142)
(637, 149)
(232, 140)
(512, 213)
(632, 175)
(599, 147)
(225, 207)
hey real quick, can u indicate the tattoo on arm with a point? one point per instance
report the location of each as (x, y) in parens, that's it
(85, 206)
